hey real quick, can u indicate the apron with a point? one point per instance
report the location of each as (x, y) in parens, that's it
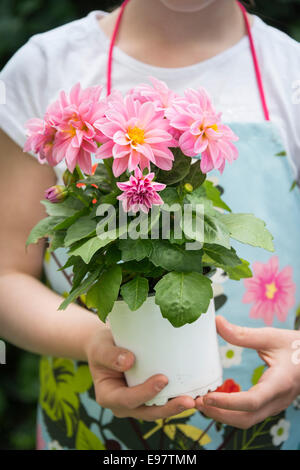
(258, 182)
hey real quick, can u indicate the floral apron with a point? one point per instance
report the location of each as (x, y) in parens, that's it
(259, 182)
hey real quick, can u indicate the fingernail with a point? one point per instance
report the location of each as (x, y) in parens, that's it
(159, 386)
(121, 361)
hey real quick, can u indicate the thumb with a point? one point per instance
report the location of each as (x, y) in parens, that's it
(105, 353)
(253, 338)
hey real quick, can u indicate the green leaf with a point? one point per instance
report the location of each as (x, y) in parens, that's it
(238, 272)
(67, 222)
(180, 168)
(70, 262)
(204, 226)
(216, 232)
(81, 289)
(248, 229)
(42, 229)
(88, 248)
(113, 255)
(175, 258)
(219, 255)
(170, 196)
(86, 439)
(66, 208)
(101, 172)
(104, 293)
(57, 240)
(82, 228)
(177, 241)
(111, 198)
(135, 249)
(135, 292)
(100, 178)
(183, 297)
(81, 196)
(195, 176)
(145, 267)
(214, 195)
(192, 225)
(152, 224)
(80, 269)
(143, 224)
(198, 197)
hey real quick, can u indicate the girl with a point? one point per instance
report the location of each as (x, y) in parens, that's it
(249, 69)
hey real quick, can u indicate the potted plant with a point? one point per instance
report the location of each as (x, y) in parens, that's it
(145, 229)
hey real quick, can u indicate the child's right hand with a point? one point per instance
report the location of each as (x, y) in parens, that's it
(107, 363)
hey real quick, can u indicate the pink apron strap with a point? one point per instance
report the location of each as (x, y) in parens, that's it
(256, 64)
(111, 46)
(252, 48)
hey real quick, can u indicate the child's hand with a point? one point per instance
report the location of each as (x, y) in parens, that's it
(107, 363)
(276, 389)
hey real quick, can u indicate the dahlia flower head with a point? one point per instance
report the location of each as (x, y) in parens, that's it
(67, 130)
(138, 135)
(202, 131)
(140, 192)
(136, 130)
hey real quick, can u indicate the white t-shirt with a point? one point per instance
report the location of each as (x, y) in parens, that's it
(77, 52)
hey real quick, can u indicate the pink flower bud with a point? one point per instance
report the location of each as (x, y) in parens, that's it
(56, 194)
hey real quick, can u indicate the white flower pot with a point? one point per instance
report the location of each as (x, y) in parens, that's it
(188, 356)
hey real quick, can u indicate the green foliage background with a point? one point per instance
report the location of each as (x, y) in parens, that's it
(20, 19)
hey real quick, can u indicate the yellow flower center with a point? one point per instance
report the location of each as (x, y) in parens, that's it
(136, 135)
(214, 127)
(72, 131)
(271, 290)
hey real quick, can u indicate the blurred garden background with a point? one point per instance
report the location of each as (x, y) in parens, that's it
(20, 19)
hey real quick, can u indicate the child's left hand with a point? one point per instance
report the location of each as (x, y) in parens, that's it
(276, 389)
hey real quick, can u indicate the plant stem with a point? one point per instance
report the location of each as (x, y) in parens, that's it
(79, 172)
(78, 196)
(108, 165)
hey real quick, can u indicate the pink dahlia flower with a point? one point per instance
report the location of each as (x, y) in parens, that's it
(74, 117)
(140, 192)
(162, 98)
(159, 94)
(137, 134)
(41, 136)
(202, 131)
(68, 129)
(270, 290)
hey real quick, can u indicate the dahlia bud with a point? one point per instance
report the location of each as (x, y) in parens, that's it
(56, 194)
(69, 178)
(188, 188)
